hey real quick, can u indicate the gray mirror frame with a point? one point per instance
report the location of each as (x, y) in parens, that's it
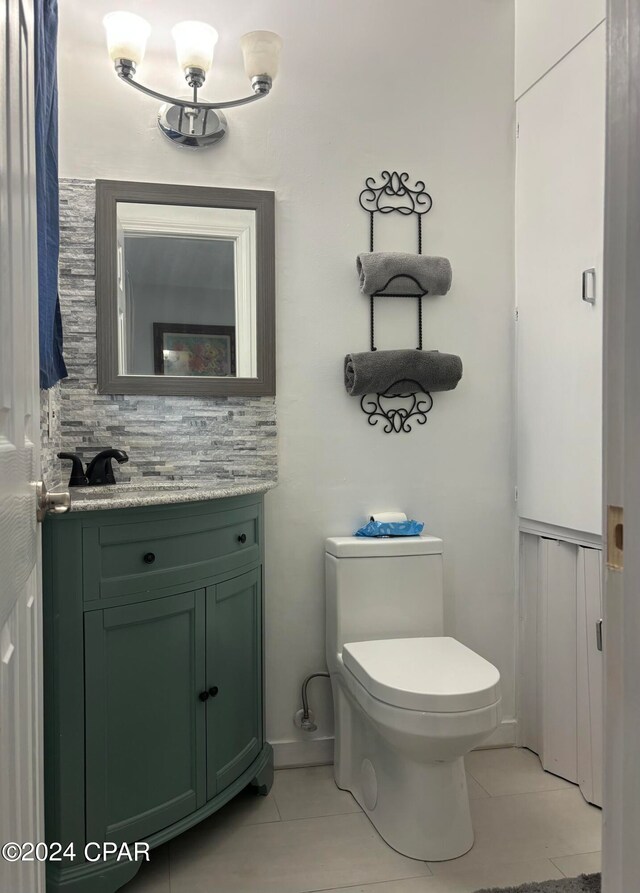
(110, 380)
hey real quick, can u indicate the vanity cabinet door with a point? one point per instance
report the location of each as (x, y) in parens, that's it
(234, 678)
(145, 721)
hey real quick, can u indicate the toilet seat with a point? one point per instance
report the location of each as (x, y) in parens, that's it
(436, 674)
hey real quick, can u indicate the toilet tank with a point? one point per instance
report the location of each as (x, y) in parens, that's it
(382, 588)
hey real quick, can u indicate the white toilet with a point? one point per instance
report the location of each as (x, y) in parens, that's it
(409, 702)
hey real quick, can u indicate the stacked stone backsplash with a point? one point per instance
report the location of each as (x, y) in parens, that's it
(169, 437)
(51, 435)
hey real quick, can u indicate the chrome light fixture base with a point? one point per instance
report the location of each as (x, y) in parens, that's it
(195, 77)
(125, 68)
(194, 128)
(261, 84)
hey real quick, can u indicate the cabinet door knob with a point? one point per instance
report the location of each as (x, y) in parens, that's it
(213, 691)
(204, 695)
(242, 538)
(149, 558)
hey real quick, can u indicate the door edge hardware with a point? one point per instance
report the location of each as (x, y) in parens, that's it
(589, 285)
(599, 634)
(615, 537)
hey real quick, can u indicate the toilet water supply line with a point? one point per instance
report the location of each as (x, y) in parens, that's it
(306, 722)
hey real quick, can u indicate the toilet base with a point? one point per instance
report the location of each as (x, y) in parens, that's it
(419, 807)
(422, 812)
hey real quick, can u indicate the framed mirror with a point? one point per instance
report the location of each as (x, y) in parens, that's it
(185, 290)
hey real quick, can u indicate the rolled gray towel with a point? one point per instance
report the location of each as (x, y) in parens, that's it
(378, 271)
(373, 372)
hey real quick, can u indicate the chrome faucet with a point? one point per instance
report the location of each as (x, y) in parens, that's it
(99, 471)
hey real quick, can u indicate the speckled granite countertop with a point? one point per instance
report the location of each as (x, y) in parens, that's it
(152, 492)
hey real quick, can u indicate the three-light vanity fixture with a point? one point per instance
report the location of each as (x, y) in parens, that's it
(191, 122)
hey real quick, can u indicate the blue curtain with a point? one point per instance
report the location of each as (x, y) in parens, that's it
(52, 367)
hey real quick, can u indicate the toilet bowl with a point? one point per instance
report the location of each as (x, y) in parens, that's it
(409, 703)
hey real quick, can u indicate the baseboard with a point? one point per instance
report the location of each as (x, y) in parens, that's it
(504, 736)
(291, 754)
(578, 537)
(319, 751)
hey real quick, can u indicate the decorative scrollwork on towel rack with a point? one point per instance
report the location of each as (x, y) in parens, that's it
(394, 185)
(397, 418)
(394, 194)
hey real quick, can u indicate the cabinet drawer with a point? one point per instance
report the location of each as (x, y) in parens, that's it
(126, 559)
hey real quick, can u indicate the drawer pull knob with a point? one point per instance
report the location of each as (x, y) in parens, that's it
(149, 558)
(213, 691)
(242, 538)
(204, 695)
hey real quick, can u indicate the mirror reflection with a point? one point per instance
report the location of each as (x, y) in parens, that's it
(186, 291)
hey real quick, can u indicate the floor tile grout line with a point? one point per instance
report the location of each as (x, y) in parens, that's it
(525, 793)
(445, 875)
(261, 822)
(392, 880)
(305, 818)
(275, 803)
(572, 787)
(565, 784)
(471, 775)
(322, 815)
(482, 866)
(572, 856)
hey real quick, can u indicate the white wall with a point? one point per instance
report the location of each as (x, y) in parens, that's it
(423, 86)
(546, 30)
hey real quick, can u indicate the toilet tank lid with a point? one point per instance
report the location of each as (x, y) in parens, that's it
(371, 547)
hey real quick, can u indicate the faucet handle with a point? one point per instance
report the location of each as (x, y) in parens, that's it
(100, 470)
(78, 477)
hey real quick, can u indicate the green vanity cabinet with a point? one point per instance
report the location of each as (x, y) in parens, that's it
(153, 675)
(234, 710)
(144, 726)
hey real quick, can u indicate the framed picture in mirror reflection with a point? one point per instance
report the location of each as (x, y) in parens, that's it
(196, 350)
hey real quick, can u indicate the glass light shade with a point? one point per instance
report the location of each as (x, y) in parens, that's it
(261, 52)
(195, 42)
(127, 35)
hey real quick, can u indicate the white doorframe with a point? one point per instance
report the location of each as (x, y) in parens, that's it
(21, 796)
(621, 830)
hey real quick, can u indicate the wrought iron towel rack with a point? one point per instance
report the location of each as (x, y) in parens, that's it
(394, 194)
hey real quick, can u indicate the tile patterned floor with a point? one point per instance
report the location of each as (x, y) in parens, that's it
(309, 836)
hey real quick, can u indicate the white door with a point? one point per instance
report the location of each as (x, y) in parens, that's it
(590, 714)
(559, 234)
(558, 658)
(560, 692)
(21, 817)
